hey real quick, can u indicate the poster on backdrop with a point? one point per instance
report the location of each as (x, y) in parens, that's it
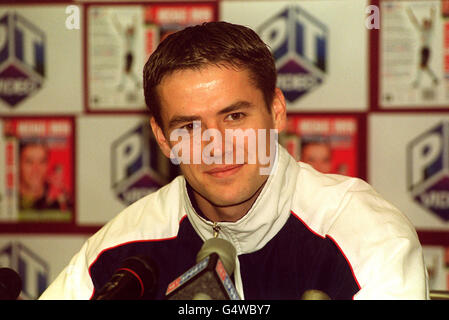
(128, 165)
(411, 157)
(327, 143)
(36, 58)
(120, 40)
(38, 171)
(38, 259)
(436, 259)
(414, 54)
(320, 67)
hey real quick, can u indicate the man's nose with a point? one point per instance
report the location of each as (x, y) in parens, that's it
(214, 143)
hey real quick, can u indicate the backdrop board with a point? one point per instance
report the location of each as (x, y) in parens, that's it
(120, 39)
(121, 162)
(40, 61)
(414, 64)
(373, 102)
(38, 258)
(409, 156)
(320, 67)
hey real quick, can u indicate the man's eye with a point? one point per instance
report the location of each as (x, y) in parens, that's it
(187, 126)
(190, 126)
(235, 116)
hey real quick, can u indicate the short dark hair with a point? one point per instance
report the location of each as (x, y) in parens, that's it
(211, 43)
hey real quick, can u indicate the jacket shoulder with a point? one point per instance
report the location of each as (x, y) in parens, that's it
(153, 217)
(377, 239)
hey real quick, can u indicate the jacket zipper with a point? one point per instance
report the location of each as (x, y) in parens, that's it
(216, 229)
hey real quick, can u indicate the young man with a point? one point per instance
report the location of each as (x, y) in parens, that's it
(294, 229)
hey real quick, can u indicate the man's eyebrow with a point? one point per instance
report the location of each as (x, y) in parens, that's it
(177, 120)
(235, 107)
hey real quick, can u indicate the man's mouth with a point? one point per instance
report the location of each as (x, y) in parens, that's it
(224, 171)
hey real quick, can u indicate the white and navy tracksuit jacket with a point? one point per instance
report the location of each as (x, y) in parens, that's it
(306, 230)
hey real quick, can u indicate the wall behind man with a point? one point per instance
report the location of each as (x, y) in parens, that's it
(354, 73)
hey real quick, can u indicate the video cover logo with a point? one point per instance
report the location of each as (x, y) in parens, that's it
(138, 165)
(299, 44)
(32, 269)
(428, 170)
(22, 58)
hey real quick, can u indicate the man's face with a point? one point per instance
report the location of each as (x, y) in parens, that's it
(219, 98)
(33, 166)
(318, 155)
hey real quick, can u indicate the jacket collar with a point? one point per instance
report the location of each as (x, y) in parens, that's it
(266, 217)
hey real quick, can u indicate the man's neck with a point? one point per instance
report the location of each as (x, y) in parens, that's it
(214, 213)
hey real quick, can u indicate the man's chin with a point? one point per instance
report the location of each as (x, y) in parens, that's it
(231, 197)
(221, 202)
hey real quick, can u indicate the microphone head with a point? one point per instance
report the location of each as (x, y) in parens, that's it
(223, 248)
(315, 295)
(146, 269)
(201, 296)
(10, 284)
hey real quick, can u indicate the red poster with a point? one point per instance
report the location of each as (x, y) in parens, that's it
(163, 19)
(328, 143)
(39, 169)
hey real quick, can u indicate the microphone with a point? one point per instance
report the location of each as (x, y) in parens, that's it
(315, 295)
(10, 284)
(210, 278)
(136, 279)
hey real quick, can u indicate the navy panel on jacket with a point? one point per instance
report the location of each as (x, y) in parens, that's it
(173, 256)
(293, 261)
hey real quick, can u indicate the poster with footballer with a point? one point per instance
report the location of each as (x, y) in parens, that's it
(38, 172)
(414, 56)
(330, 144)
(436, 259)
(120, 40)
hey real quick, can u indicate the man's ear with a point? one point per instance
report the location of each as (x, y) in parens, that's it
(279, 110)
(160, 137)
